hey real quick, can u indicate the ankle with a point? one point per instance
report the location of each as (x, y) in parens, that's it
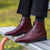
(40, 19)
(26, 16)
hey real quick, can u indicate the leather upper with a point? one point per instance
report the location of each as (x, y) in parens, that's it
(38, 31)
(24, 26)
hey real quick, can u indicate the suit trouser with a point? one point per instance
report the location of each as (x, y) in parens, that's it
(33, 7)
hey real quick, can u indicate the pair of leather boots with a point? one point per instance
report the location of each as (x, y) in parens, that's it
(32, 34)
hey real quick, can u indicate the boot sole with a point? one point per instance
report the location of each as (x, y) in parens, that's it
(17, 34)
(41, 39)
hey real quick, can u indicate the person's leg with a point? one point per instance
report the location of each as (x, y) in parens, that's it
(25, 8)
(38, 32)
(25, 24)
(40, 9)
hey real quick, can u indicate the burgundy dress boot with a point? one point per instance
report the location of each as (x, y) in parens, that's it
(23, 27)
(37, 33)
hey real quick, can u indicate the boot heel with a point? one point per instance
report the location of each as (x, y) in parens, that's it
(42, 39)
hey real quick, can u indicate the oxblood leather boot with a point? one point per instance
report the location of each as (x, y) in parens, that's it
(37, 33)
(23, 27)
